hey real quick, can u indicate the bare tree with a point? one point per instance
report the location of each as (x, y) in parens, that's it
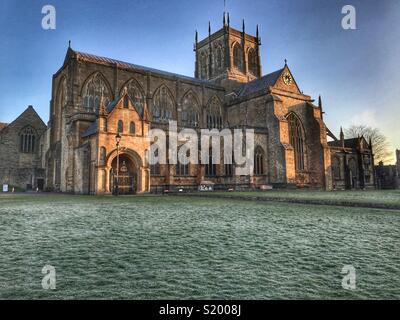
(380, 144)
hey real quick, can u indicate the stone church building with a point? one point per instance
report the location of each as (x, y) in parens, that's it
(22, 147)
(94, 98)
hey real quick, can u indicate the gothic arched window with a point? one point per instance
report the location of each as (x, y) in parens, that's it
(132, 129)
(296, 135)
(229, 167)
(203, 66)
(126, 102)
(252, 61)
(103, 154)
(27, 140)
(155, 167)
(238, 57)
(214, 114)
(218, 58)
(136, 95)
(190, 111)
(259, 161)
(210, 167)
(95, 88)
(182, 169)
(353, 168)
(336, 168)
(163, 105)
(353, 172)
(120, 126)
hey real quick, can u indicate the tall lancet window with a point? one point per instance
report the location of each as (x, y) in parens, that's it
(336, 168)
(259, 161)
(163, 105)
(95, 88)
(136, 95)
(132, 129)
(190, 110)
(238, 57)
(27, 140)
(211, 167)
(252, 61)
(120, 126)
(296, 135)
(203, 65)
(218, 58)
(214, 114)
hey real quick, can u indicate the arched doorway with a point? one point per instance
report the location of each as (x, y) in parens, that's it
(353, 174)
(127, 176)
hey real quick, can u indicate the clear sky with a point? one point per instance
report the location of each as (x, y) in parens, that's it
(355, 71)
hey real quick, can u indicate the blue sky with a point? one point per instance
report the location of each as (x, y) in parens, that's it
(355, 71)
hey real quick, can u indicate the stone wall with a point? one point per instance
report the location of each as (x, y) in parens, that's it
(17, 168)
(265, 113)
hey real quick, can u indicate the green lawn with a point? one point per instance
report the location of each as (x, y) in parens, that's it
(186, 247)
(385, 197)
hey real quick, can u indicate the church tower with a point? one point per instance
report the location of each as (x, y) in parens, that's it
(228, 57)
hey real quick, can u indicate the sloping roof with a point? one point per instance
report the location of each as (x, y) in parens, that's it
(112, 105)
(348, 143)
(32, 111)
(330, 134)
(103, 60)
(259, 84)
(91, 130)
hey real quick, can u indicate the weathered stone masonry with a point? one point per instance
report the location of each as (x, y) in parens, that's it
(94, 98)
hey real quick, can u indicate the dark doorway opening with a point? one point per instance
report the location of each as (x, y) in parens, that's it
(40, 184)
(127, 181)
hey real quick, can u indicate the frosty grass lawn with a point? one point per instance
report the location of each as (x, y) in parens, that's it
(168, 247)
(388, 197)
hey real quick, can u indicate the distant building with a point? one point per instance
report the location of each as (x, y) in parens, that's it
(21, 151)
(388, 176)
(352, 163)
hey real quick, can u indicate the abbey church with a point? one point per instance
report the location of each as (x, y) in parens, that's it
(94, 98)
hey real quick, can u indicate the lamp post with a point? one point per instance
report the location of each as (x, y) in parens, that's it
(117, 140)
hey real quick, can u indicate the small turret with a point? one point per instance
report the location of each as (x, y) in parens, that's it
(359, 145)
(102, 118)
(102, 107)
(258, 36)
(196, 41)
(341, 137)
